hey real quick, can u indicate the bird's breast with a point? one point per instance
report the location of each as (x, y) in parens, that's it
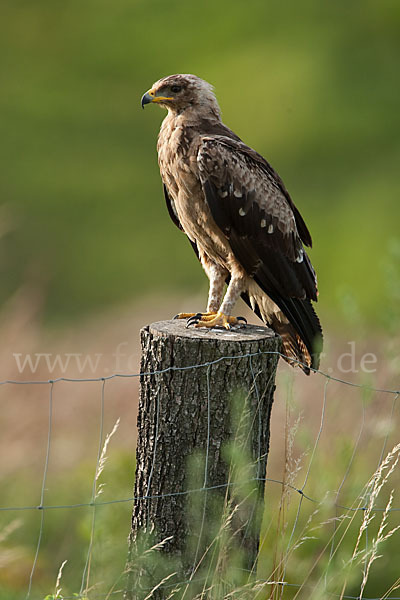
(177, 157)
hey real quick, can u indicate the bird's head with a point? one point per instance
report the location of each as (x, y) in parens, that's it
(180, 92)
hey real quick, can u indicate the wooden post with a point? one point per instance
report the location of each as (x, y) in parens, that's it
(189, 378)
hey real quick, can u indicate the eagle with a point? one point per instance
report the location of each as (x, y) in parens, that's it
(239, 218)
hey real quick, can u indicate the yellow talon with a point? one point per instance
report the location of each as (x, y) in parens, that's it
(190, 315)
(217, 320)
(208, 316)
(184, 315)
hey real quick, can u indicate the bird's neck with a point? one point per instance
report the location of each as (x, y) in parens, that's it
(192, 115)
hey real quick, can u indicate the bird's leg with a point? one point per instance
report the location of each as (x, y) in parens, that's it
(222, 318)
(217, 276)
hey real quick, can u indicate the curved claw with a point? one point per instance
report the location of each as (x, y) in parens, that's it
(193, 320)
(196, 316)
(242, 319)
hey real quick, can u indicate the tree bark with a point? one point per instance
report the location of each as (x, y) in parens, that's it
(200, 389)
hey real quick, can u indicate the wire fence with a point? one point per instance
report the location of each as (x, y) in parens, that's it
(95, 503)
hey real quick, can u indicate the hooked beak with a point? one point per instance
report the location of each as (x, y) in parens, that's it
(150, 96)
(146, 98)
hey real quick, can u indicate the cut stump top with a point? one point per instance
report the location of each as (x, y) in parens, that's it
(177, 328)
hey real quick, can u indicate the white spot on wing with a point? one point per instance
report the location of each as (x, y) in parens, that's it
(271, 228)
(223, 193)
(263, 223)
(237, 194)
(300, 257)
(241, 212)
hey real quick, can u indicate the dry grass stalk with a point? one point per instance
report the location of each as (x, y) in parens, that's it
(57, 589)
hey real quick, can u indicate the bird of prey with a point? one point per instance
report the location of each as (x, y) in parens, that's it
(239, 218)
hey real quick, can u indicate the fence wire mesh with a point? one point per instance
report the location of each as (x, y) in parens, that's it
(360, 504)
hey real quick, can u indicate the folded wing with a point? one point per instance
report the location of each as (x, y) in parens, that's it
(266, 232)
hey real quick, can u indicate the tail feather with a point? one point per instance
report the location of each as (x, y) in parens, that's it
(294, 350)
(304, 325)
(298, 326)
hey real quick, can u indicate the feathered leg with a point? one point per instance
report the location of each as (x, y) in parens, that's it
(222, 318)
(217, 276)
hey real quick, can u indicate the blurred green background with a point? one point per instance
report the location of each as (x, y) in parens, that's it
(312, 86)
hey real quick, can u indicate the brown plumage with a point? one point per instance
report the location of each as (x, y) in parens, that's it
(238, 217)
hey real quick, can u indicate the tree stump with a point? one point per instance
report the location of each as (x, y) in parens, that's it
(201, 391)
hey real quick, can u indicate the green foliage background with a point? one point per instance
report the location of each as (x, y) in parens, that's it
(312, 86)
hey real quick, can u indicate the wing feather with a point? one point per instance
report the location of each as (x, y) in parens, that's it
(175, 219)
(251, 209)
(266, 232)
(171, 208)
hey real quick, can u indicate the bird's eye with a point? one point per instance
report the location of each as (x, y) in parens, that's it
(175, 88)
